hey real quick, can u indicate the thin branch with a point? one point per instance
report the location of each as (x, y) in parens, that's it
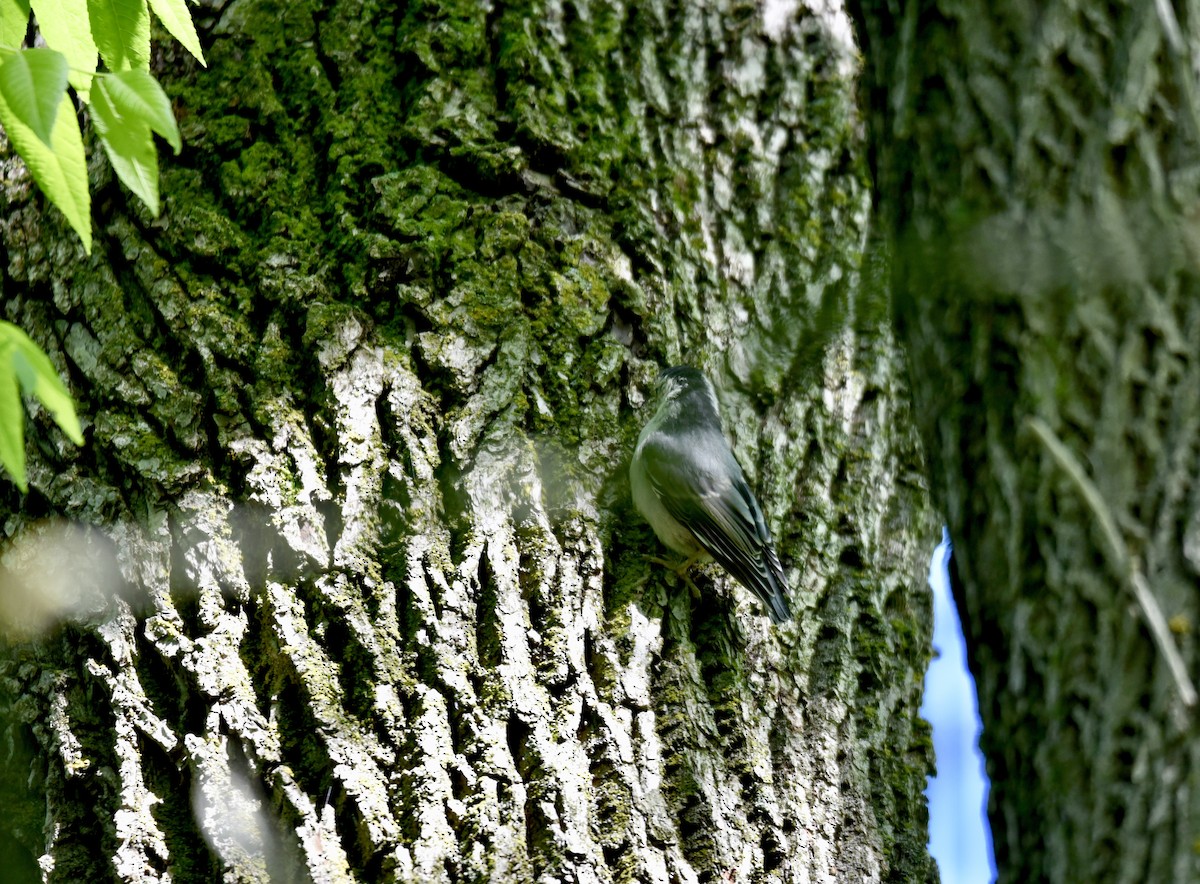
(1123, 563)
(1184, 66)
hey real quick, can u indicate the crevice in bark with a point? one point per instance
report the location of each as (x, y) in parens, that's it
(354, 837)
(183, 591)
(318, 409)
(86, 798)
(333, 523)
(301, 734)
(599, 668)
(260, 654)
(23, 773)
(329, 67)
(168, 689)
(396, 570)
(455, 509)
(683, 788)
(170, 779)
(488, 640)
(355, 664)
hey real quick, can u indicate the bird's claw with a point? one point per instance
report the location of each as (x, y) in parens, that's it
(680, 569)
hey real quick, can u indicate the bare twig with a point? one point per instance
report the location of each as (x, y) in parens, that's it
(1119, 557)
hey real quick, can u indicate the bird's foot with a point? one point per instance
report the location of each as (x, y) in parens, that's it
(681, 569)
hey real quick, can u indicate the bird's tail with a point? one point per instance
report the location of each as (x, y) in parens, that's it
(778, 608)
(775, 595)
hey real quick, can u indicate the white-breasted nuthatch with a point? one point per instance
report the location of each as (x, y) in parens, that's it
(690, 488)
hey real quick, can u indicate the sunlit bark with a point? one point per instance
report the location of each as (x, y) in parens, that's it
(360, 407)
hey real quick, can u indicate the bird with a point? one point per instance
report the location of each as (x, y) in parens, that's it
(688, 485)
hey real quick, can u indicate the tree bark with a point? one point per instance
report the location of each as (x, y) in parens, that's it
(354, 588)
(1035, 179)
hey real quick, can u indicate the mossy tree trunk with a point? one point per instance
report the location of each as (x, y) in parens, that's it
(358, 589)
(1035, 169)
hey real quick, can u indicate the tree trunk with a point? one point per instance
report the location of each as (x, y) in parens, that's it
(1035, 177)
(353, 588)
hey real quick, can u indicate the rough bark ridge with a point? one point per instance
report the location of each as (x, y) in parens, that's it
(360, 407)
(1036, 172)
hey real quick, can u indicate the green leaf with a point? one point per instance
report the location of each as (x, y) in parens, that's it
(122, 32)
(37, 376)
(32, 83)
(12, 423)
(126, 106)
(14, 22)
(60, 170)
(137, 95)
(178, 21)
(66, 27)
(25, 367)
(128, 143)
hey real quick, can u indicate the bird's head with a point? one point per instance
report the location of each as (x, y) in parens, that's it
(682, 383)
(675, 382)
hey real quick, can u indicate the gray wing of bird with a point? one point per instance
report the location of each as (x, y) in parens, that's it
(719, 508)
